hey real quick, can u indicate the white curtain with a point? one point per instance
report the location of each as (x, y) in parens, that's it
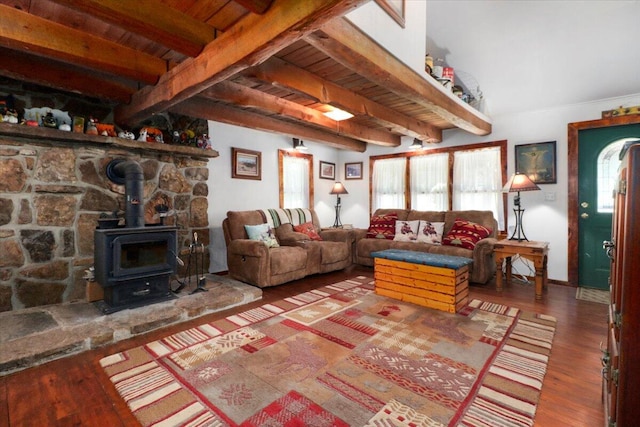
(388, 183)
(295, 174)
(429, 181)
(477, 181)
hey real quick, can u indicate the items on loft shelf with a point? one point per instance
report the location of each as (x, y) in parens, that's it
(517, 183)
(338, 189)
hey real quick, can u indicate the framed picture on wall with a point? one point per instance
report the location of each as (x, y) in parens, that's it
(537, 161)
(395, 9)
(327, 170)
(246, 164)
(353, 170)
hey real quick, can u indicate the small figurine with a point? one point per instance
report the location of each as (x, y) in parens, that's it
(91, 127)
(10, 116)
(126, 134)
(49, 121)
(143, 135)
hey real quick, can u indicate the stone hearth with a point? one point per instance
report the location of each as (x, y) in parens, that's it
(36, 335)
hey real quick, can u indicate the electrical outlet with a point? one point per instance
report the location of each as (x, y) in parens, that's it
(550, 197)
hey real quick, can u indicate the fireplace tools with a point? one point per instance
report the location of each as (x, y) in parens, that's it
(196, 262)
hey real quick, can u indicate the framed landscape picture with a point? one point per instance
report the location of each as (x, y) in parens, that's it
(327, 170)
(353, 170)
(246, 164)
(537, 161)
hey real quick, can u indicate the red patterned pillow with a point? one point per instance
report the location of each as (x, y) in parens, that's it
(309, 229)
(465, 234)
(382, 226)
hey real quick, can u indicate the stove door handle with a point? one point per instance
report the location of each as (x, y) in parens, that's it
(142, 292)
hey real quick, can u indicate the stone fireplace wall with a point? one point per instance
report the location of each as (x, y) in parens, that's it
(51, 196)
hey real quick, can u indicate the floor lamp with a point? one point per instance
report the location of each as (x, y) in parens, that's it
(517, 183)
(338, 189)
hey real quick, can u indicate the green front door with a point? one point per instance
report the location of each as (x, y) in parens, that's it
(597, 162)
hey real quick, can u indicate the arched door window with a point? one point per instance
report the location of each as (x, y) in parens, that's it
(608, 163)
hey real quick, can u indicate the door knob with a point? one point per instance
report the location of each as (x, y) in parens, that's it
(608, 246)
(584, 215)
(584, 204)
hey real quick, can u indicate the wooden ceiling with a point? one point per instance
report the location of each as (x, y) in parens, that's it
(273, 65)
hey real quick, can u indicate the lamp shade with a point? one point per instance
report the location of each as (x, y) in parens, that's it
(519, 182)
(338, 188)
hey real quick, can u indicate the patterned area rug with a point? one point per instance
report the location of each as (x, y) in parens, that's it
(593, 295)
(342, 355)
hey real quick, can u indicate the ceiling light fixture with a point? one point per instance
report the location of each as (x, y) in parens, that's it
(417, 144)
(298, 145)
(337, 114)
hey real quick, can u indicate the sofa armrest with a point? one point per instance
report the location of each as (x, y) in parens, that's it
(484, 266)
(248, 247)
(359, 233)
(336, 235)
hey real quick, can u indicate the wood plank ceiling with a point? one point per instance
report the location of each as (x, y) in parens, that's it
(274, 65)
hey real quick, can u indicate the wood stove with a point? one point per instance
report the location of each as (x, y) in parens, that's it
(134, 263)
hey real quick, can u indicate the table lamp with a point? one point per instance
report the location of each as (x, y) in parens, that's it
(517, 183)
(338, 189)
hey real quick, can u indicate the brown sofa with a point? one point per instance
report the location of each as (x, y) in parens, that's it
(483, 267)
(297, 256)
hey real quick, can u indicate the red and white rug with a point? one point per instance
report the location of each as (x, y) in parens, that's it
(342, 355)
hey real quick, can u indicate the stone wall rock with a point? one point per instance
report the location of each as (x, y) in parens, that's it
(50, 202)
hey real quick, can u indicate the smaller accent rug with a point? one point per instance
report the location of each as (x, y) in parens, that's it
(341, 355)
(594, 295)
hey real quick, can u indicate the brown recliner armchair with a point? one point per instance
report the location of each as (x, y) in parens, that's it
(297, 256)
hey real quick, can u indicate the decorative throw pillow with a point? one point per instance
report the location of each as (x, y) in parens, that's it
(406, 231)
(382, 226)
(262, 233)
(465, 234)
(430, 232)
(309, 229)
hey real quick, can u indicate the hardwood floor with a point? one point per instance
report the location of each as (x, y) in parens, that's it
(75, 392)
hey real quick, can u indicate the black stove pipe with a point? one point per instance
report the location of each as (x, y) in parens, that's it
(129, 173)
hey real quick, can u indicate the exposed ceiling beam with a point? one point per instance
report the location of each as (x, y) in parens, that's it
(203, 108)
(255, 6)
(251, 41)
(244, 96)
(282, 73)
(29, 68)
(345, 43)
(22, 31)
(149, 18)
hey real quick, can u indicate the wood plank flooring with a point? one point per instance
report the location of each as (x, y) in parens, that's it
(75, 392)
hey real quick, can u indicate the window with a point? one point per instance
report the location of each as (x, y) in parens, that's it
(388, 183)
(430, 182)
(296, 179)
(477, 182)
(607, 170)
(460, 178)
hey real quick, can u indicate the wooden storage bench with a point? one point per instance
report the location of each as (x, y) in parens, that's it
(431, 280)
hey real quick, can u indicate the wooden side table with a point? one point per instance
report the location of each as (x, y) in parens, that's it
(535, 251)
